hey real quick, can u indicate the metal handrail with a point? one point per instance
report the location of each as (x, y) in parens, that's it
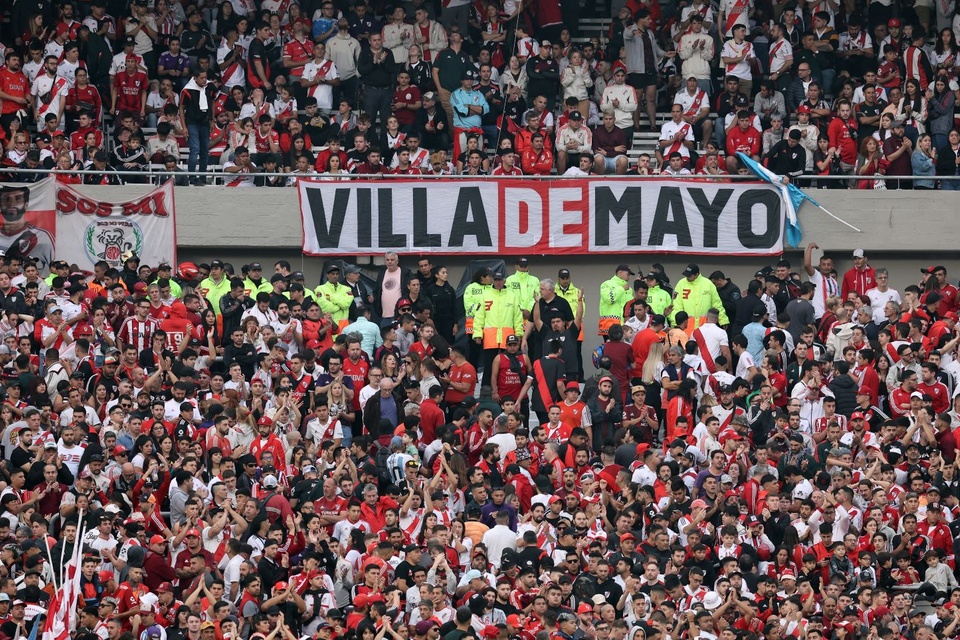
(347, 177)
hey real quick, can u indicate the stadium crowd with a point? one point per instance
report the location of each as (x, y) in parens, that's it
(336, 88)
(243, 455)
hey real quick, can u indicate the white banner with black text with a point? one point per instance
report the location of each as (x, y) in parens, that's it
(564, 216)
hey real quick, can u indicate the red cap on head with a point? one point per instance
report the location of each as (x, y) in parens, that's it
(82, 329)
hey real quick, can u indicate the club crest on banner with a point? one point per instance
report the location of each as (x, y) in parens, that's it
(109, 239)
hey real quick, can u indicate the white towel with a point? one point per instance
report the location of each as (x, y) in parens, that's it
(193, 86)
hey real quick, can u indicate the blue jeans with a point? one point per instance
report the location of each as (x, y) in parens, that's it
(950, 185)
(829, 75)
(491, 135)
(199, 142)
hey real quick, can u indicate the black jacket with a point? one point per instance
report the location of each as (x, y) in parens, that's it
(844, 388)
(439, 118)
(376, 74)
(245, 355)
(190, 103)
(947, 161)
(371, 414)
(231, 310)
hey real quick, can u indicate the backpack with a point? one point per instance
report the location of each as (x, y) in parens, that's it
(596, 355)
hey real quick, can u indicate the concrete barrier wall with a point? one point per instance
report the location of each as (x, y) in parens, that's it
(902, 230)
(222, 217)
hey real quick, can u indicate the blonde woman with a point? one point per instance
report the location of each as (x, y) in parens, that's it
(576, 81)
(650, 377)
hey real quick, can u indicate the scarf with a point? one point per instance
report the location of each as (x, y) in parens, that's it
(193, 86)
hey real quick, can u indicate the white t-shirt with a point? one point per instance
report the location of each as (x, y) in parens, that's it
(879, 299)
(744, 363)
(326, 70)
(733, 50)
(670, 129)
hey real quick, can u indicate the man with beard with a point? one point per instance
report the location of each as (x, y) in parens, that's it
(289, 329)
(17, 237)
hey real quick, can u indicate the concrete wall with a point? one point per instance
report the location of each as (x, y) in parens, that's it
(240, 225)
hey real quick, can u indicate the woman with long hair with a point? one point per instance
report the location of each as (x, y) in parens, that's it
(940, 104)
(36, 30)
(211, 467)
(444, 299)
(36, 391)
(885, 129)
(145, 451)
(865, 540)
(494, 34)
(392, 139)
(166, 448)
(426, 528)
(334, 170)
(98, 400)
(924, 162)
(340, 408)
(912, 109)
(298, 148)
(882, 367)
(649, 378)
(868, 162)
(224, 19)
(845, 93)
(211, 343)
(242, 134)
(410, 367)
(944, 53)
(390, 366)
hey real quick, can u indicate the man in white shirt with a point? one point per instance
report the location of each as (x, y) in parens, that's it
(712, 340)
(498, 539)
(696, 109)
(822, 276)
(881, 294)
(676, 136)
(780, 57)
(320, 77)
(746, 366)
(736, 56)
